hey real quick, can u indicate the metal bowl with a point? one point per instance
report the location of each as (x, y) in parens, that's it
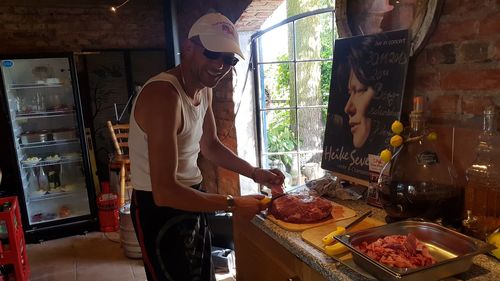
(34, 137)
(452, 250)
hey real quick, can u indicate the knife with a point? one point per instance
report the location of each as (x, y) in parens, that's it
(358, 220)
(329, 238)
(269, 199)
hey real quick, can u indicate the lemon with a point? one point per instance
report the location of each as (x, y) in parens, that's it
(385, 155)
(432, 136)
(494, 239)
(396, 140)
(328, 239)
(335, 249)
(397, 127)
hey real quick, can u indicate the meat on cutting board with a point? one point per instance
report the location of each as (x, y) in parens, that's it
(301, 208)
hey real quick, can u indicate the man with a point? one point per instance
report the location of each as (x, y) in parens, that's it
(171, 122)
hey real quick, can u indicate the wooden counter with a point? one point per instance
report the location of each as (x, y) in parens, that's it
(259, 257)
(266, 252)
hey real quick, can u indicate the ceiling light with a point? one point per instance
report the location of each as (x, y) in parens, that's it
(114, 9)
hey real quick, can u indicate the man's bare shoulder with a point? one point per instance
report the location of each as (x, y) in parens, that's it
(159, 90)
(158, 99)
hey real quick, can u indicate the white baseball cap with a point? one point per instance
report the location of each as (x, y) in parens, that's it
(217, 34)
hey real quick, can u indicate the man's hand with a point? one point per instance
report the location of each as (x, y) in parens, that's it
(248, 206)
(272, 178)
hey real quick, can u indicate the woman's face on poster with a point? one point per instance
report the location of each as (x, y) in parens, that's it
(360, 96)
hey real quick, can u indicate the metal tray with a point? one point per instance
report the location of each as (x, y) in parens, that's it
(452, 250)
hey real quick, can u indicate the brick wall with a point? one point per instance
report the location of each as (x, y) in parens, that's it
(458, 72)
(59, 28)
(459, 68)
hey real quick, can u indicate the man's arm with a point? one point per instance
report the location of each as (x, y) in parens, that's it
(215, 151)
(158, 113)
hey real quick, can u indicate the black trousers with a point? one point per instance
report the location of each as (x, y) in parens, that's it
(175, 244)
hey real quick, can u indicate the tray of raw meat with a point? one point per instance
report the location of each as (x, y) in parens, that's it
(412, 250)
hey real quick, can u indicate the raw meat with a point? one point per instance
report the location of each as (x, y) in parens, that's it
(301, 208)
(402, 251)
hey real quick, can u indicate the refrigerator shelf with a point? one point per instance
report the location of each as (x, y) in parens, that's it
(34, 85)
(56, 218)
(56, 194)
(45, 114)
(42, 163)
(49, 143)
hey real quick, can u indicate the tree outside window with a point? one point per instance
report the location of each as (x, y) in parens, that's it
(293, 65)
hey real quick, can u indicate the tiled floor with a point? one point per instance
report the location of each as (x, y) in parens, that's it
(96, 256)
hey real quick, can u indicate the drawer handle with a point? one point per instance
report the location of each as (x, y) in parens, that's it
(295, 278)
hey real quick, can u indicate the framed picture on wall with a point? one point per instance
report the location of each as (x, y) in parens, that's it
(364, 17)
(366, 94)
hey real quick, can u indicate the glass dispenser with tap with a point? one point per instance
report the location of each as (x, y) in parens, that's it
(482, 193)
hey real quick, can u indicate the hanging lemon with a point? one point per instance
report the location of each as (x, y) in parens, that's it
(494, 239)
(397, 127)
(385, 155)
(396, 141)
(432, 136)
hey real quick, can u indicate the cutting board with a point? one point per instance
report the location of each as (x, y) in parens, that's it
(314, 235)
(339, 212)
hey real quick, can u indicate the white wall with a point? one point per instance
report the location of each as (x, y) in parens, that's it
(245, 118)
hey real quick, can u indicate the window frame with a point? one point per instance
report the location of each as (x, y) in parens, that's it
(293, 63)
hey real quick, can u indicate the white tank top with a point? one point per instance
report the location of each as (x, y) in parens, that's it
(188, 140)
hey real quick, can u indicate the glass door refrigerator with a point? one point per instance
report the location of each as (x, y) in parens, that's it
(53, 181)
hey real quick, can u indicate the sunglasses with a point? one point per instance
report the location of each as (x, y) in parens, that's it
(226, 59)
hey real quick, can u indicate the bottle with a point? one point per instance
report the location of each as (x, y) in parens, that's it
(43, 181)
(53, 178)
(63, 174)
(422, 181)
(4, 235)
(33, 179)
(482, 192)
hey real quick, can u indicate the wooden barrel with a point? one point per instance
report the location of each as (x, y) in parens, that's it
(129, 242)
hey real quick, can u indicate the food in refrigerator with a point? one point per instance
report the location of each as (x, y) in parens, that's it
(47, 125)
(64, 134)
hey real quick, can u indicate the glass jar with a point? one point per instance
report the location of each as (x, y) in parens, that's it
(422, 181)
(482, 192)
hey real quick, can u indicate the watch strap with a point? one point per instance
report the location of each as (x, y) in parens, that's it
(230, 203)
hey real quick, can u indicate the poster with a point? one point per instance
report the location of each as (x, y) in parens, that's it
(366, 94)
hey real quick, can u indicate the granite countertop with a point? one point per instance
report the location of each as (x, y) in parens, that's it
(484, 267)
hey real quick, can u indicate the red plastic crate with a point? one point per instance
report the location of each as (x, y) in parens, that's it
(15, 252)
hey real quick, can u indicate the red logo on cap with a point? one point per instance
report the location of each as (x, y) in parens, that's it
(226, 28)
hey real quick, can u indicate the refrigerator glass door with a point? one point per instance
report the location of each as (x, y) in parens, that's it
(44, 121)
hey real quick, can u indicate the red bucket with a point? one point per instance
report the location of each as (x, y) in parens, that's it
(109, 219)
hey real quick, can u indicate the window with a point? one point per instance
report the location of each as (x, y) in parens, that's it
(292, 70)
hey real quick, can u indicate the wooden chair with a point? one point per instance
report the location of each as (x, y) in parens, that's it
(119, 135)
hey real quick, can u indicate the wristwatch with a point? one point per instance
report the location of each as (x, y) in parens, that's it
(230, 203)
